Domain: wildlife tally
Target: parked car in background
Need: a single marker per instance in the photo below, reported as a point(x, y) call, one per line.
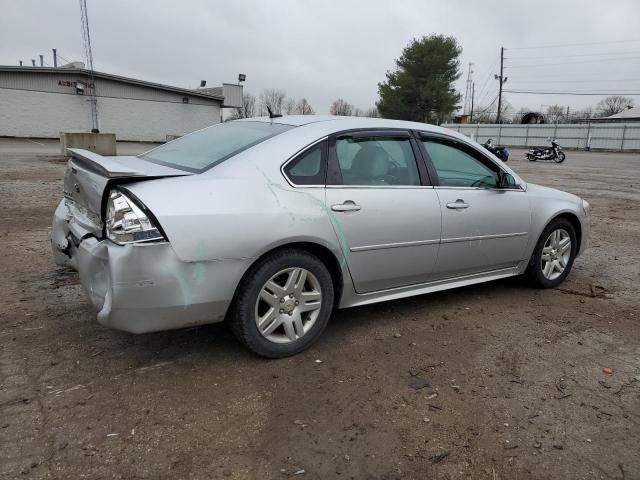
point(272, 223)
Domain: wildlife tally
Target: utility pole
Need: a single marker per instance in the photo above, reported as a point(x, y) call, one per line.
point(501, 78)
point(467, 92)
point(91, 87)
point(473, 94)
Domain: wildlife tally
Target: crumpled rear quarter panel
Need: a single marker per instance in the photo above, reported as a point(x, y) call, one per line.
point(145, 287)
point(208, 218)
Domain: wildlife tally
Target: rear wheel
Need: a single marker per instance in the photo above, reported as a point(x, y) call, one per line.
point(283, 304)
point(531, 157)
point(554, 254)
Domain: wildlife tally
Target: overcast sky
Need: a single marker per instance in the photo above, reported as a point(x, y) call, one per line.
point(326, 49)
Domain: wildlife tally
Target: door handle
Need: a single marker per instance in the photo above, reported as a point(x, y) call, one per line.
point(458, 205)
point(347, 206)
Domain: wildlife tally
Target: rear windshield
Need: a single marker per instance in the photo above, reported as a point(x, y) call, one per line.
point(206, 148)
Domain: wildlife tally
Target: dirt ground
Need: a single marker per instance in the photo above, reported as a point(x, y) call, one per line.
point(496, 381)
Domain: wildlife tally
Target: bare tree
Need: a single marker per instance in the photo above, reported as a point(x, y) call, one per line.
point(272, 99)
point(484, 115)
point(341, 107)
point(508, 112)
point(580, 116)
point(612, 105)
point(357, 112)
point(372, 113)
point(248, 108)
point(555, 114)
point(303, 108)
point(289, 106)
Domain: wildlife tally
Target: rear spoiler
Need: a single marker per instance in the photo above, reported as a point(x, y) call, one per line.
point(106, 166)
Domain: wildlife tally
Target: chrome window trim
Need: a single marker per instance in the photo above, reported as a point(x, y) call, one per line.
point(293, 157)
point(394, 187)
point(449, 187)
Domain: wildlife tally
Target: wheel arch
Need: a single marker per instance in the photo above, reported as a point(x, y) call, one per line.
point(575, 223)
point(540, 224)
point(322, 252)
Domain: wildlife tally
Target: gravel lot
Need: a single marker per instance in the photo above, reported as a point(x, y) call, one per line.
point(497, 381)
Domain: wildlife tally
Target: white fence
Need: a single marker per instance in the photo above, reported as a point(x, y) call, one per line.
point(597, 136)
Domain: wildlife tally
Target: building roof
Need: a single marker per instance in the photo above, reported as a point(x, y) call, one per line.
point(626, 114)
point(213, 91)
point(109, 76)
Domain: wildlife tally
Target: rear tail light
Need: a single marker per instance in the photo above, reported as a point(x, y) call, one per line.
point(127, 223)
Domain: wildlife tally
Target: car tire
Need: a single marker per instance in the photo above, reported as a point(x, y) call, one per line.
point(263, 294)
point(550, 256)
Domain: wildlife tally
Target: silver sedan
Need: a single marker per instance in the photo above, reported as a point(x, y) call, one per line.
point(272, 223)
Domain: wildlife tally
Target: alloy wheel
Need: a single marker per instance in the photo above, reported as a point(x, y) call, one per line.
point(288, 305)
point(555, 254)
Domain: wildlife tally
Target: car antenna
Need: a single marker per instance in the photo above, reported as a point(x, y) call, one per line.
point(273, 115)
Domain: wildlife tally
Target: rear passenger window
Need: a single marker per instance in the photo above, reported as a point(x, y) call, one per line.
point(377, 160)
point(309, 167)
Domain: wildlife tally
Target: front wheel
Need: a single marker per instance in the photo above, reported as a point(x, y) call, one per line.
point(283, 304)
point(559, 157)
point(554, 254)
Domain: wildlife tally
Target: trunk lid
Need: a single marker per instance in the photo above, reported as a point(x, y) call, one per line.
point(89, 176)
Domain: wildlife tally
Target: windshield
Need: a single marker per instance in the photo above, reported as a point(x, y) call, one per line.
point(206, 148)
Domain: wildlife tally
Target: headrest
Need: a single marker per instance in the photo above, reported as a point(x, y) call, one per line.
point(371, 162)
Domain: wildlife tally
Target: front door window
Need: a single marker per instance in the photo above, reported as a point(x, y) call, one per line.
point(456, 168)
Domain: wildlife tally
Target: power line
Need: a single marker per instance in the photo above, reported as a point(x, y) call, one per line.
point(491, 72)
point(541, 92)
point(572, 56)
point(606, 75)
point(598, 60)
point(574, 44)
point(555, 74)
point(612, 80)
point(488, 106)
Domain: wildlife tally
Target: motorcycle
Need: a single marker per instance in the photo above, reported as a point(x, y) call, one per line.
point(499, 151)
point(554, 152)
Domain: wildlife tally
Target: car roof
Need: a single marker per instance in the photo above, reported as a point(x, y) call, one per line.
point(344, 122)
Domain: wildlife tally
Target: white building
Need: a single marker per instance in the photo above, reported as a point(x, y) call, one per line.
point(41, 102)
point(631, 114)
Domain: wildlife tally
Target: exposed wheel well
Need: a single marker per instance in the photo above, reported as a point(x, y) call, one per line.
point(576, 226)
point(322, 253)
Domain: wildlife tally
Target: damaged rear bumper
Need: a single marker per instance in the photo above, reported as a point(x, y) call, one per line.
point(144, 287)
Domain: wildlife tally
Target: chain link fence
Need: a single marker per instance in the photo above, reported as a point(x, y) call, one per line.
point(594, 136)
